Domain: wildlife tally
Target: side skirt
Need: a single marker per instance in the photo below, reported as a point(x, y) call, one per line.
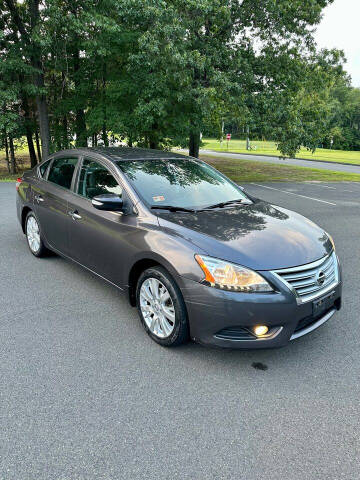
point(84, 266)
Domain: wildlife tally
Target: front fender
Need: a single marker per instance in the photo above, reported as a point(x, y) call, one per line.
point(173, 253)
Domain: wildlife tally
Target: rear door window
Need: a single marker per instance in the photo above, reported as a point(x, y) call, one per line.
point(95, 179)
point(43, 167)
point(62, 171)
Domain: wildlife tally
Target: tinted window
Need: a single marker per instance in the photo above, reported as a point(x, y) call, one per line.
point(186, 183)
point(62, 171)
point(43, 168)
point(96, 180)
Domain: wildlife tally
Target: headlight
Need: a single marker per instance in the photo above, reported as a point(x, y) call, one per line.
point(331, 240)
point(227, 276)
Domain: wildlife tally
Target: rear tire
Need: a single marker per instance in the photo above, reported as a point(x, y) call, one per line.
point(34, 237)
point(161, 307)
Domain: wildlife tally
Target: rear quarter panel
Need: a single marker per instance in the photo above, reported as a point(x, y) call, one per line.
point(24, 196)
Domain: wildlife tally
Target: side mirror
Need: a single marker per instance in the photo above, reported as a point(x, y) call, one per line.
point(110, 202)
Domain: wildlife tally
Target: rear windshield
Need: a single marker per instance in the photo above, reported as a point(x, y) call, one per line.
point(180, 182)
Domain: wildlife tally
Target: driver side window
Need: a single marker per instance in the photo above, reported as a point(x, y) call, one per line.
point(96, 180)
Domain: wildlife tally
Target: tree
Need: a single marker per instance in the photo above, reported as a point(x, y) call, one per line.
point(297, 113)
point(23, 25)
point(198, 61)
point(157, 73)
point(343, 130)
point(8, 127)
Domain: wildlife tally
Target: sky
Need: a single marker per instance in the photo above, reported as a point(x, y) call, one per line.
point(340, 28)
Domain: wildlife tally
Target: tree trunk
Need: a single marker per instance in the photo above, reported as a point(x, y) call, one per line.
point(104, 136)
point(57, 134)
point(41, 101)
point(28, 131)
point(12, 156)
point(33, 159)
point(104, 130)
point(29, 137)
point(80, 128)
point(153, 144)
point(153, 137)
point(7, 152)
point(37, 144)
point(65, 141)
point(80, 124)
point(64, 135)
point(194, 143)
point(42, 111)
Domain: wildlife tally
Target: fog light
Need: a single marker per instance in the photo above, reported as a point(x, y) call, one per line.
point(261, 330)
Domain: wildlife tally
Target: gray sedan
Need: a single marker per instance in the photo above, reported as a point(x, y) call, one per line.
point(197, 255)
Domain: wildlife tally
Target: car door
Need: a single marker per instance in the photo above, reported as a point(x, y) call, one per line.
point(51, 196)
point(99, 240)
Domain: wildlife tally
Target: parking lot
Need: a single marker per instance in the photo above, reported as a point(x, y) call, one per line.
point(86, 394)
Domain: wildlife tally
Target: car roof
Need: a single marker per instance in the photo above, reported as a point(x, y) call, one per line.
point(119, 154)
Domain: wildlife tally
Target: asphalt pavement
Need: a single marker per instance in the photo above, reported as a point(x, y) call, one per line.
point(86, 394)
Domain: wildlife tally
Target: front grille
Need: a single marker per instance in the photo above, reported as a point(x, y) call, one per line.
point(312, 280)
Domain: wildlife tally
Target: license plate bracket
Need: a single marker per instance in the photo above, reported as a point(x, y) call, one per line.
point(322, 304)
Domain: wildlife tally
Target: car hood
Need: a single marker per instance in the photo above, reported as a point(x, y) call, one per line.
point(259, 236)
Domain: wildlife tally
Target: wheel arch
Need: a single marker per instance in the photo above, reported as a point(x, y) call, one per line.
point(140, 266)
point(24, 214)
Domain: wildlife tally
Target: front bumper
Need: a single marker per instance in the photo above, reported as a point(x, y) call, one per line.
point(215, 315)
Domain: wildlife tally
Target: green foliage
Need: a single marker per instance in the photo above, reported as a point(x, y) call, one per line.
point(344, 121)
point(158, 72)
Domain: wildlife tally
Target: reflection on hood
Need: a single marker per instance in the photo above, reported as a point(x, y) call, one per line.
point(230, 223)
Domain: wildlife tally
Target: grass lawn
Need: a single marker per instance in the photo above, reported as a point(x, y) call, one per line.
point(245, 171)
point(6, 177)
point(269, 148)
point(23, 163)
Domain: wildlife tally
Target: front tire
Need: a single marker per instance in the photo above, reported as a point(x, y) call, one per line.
point(33, 236)
point(161, 308)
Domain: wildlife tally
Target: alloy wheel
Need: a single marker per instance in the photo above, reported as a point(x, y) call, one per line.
point(157, 308)
point(33, 234)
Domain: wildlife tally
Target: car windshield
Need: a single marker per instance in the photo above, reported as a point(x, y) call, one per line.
point(185, 183)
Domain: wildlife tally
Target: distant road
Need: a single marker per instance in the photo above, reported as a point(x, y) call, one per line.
point(335, 167)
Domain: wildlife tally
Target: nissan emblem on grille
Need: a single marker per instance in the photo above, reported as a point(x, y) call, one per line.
point(321, 277)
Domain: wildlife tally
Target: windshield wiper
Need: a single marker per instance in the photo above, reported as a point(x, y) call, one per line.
point(223, 204)
point(173, 208)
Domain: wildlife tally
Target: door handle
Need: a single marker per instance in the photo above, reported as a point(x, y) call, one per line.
point(74, 215)
point(39, 198)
